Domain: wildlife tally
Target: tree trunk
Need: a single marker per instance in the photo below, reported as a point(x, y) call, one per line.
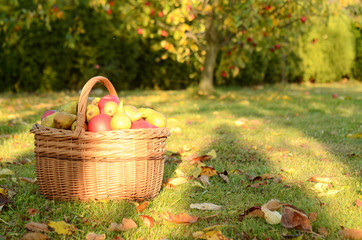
point(206, 85)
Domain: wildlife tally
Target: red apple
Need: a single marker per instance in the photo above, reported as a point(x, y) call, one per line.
point(47, 113)
point(334, 95)
point(106, 99)
point(141, 123)
point(277, 46)
point(303, 19)
point(271, 49)
point(164, 33)
point(140, 31)
point(249, 39)
point(100, 123)
point(224, 74)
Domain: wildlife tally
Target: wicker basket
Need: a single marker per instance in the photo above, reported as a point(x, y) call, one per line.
point(80, 165)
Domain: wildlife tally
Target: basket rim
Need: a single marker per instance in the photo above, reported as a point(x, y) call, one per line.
point(125, 133)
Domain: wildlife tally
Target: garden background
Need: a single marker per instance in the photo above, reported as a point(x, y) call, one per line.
point(57, 45)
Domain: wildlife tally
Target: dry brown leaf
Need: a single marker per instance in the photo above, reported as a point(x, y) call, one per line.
point(114, 227)
point(29, 180)
point(208, 171)
point(312, 216)
point(224, 176)
point(127, 224)
point(200, 159)
point(31, 211)
point(34, 236)
point(211, 235)
point(273, 205)
point(319, 179)
point(37, 227)
point(204, 179)
point(350, 234)
point(266, 176)
point(323, 231)
point(256, 185)
point(147, 220)
point(142, 206)
point(251, 213)
point(94, 236)
point(293, 217)
point(182, 218)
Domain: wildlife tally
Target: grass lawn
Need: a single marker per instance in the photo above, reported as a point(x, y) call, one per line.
point(289, 133)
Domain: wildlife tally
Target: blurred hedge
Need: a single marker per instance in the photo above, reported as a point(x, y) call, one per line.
point(63, 53)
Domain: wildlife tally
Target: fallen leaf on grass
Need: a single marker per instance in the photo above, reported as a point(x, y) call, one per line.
point(182, 218)
point(208, 171)
point(147, 220)
point(200, 159)
point(312, 216)
point(330, 192)
point(29, 180)
point(323, 231)
point(319, 179)
point(359, 203)
point(37, 227)
point(204, 179)
point(211, 235)
point(251, 213)
point(224, 176)
point(205, 206)
point(31, 211)
point(256, 185)
point(6, 172)
point(34, 236)
point(62, 227)
point(94, 236)
point(142, 206)
point(293, 217)
point(3, 201)
point(126, 225)
point(355, 135)
point(271, 217)
point(273, 205)
point(350, 233)
point(173, 182)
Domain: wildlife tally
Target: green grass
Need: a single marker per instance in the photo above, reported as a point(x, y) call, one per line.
point(262, 130)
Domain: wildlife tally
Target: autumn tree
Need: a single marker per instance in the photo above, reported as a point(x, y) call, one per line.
point(201, 32)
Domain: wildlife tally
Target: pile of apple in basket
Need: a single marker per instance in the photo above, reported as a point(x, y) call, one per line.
point(104, 114)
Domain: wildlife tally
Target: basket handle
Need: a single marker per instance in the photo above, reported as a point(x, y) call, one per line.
point(82, 103)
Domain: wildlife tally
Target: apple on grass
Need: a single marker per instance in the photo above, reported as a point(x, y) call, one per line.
point(47, 113)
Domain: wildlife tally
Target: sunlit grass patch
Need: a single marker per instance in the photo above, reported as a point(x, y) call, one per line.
point(292, 133)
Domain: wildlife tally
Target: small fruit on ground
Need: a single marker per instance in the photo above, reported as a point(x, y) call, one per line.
point(92, 111)
point(64, 120)
point(153, 117)
point(132, 112)
point(120, 120)
point(100, 123)
point(47, 113)
point(49, 121)
point(110, 108)
point(70, 108)
point(106, 99)
point(334, 95)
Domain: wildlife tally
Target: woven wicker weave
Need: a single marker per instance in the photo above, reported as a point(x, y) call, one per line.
point(122, 164)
